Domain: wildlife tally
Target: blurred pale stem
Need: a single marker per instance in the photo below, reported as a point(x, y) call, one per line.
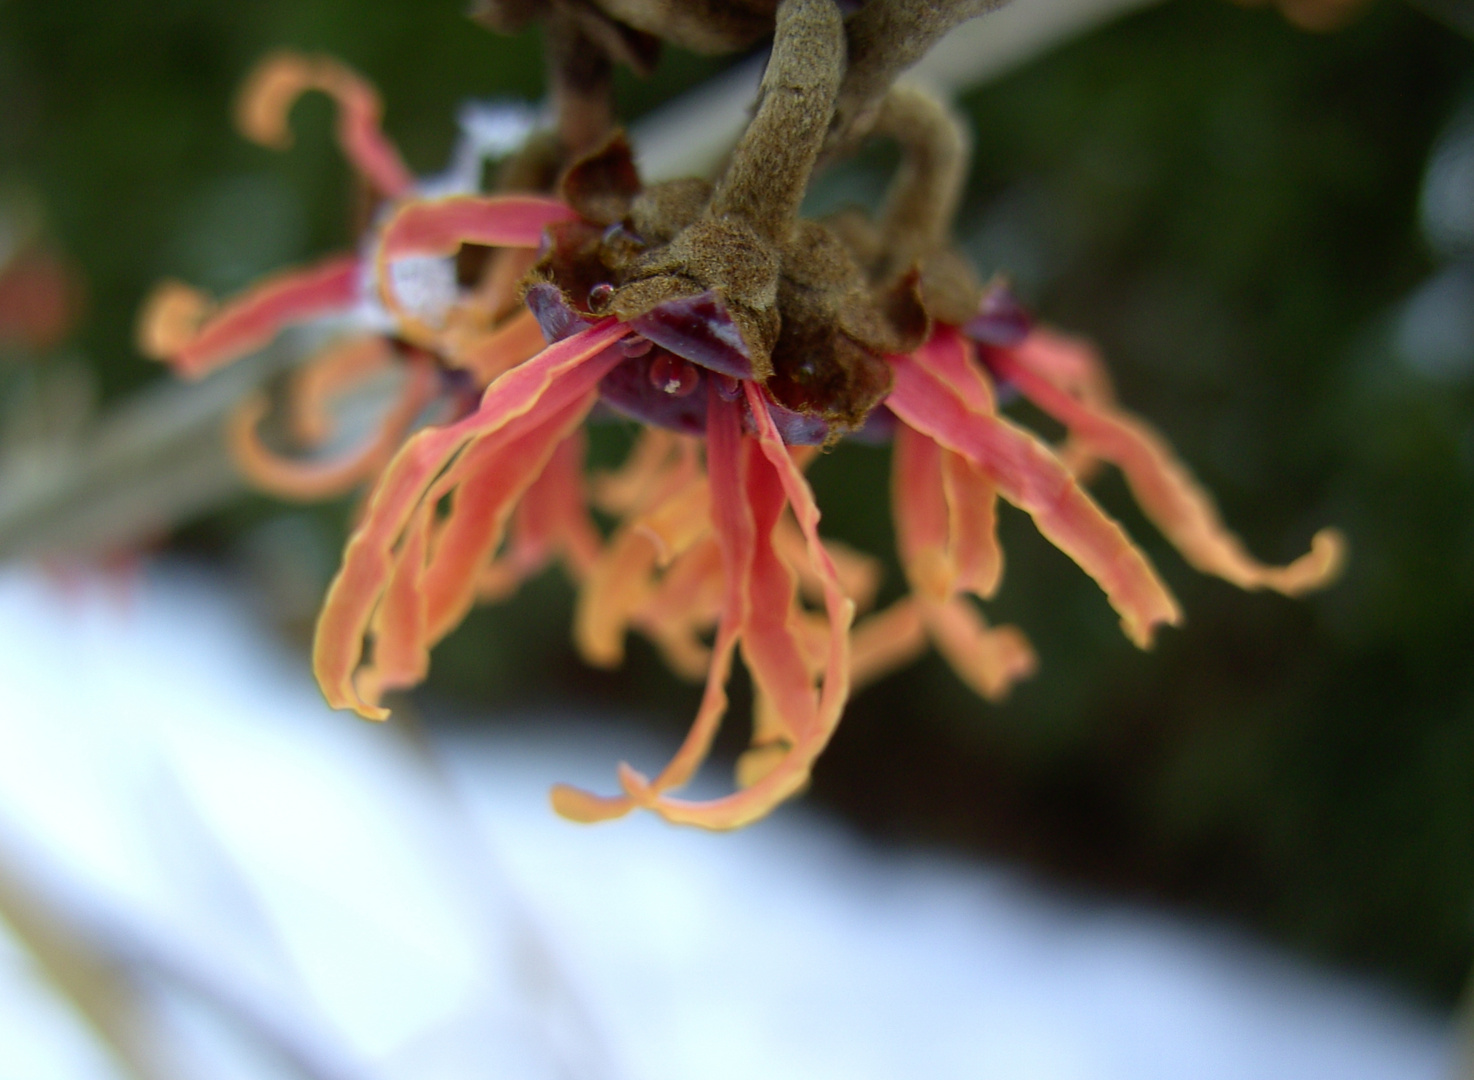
point(102, 959)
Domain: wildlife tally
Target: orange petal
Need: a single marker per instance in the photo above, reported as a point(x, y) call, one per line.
point(859, 574)
point(481, 490)
point(270, 91)
point(733, 526)
point(972, 516)
point(614, 589)
point(749, 487)
point(919, 506)
point(438, 227)
point(623, 579)
point(677, 522)
point(553, 516)
point(497, 294)
point(770, 639)
point(886, 641)
point(326, 376)
point(988, 659)
point(1074, 365)
point(649, 469)
point(310, 480)
point(1165, 489)
point(170, 318)
point(487, 356)
point(685, 604)
point(563, 374)
point(246, 322)
point(937, 391)
point(401, 649)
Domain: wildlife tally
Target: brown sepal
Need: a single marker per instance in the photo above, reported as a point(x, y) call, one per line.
point(950, 289)
point(603, 185)
point(907, 317)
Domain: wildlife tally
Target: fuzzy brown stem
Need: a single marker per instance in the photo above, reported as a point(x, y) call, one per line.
point(581, 78)
point(884, 38)
point(924, 194)
point(768, 173)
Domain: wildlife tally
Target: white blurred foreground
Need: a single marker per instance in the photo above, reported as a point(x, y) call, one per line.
point(235, 882)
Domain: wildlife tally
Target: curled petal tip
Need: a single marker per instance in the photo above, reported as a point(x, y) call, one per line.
point(267, 96)
point(1143, 631)
point(586, 808)
point(636, 785)
point(265, 102)
point(1318, 567)
point(170, 318)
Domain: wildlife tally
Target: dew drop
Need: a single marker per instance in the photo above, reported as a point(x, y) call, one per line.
point(673, 375)
point(600, 295)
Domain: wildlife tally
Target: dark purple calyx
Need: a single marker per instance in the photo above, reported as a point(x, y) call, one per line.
point(557, 318)
point(878, 429)
point(799, 429)
point(657, 387)
point(698, 329)
point(1001, 320)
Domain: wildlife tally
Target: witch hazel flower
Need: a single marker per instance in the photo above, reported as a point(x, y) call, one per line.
point(442, 342)
point(742, 354)
point(744, 340)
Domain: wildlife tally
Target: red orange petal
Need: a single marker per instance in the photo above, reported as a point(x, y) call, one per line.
point(559, 376)
point(337, 368)
point(919, 506)
point(246, 322)
point(886, 641)
point(266, 98)
point(310, 480)
point(989, 659)
point(972, 516)
point(1165, 489)
point(933, 391)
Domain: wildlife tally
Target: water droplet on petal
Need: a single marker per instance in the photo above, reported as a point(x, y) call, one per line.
point(673, 375)
point(600, 295)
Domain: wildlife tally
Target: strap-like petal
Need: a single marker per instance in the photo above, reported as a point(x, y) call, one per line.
point(990, 659)
point(886, 641)
point(972, 516)
point(563, 374)
point(311, 479)
point(1165, 489)
point(266, 99)
point(480, 492)
point(318, 383)
point(938, 392)
point(438, 228)
point(246, 322)
point(919, 507)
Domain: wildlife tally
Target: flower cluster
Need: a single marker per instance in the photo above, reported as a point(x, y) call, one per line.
point(742, 346)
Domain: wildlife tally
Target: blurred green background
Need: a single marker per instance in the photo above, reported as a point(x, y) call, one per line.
point(1229, 206)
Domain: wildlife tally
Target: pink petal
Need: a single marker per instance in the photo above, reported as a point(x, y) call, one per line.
point(251, 320)
point(919, 506)
point(310, 480)
point(938, 392)
point(525, 396)
point(988, 659)
point(267, 97)
point(1165, 489)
